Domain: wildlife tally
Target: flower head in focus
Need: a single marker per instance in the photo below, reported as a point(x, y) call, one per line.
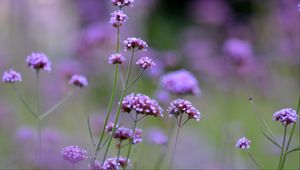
point(145, 62)
point(118, 18)
point(133, 43)
point(286, 116)
point(39, 61)
point(243, 143)
point(180, 106)
point(122, 3)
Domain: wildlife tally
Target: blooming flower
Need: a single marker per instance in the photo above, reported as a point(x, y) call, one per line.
point(122, 162)
point(109, 127)
point(122, 133)
point(180, 82)
point(74, 154)
point(141, 104)
point(145, 62)
point(11, 76)
point(243, 143)
point(157, 137)
point(116, 59)
point(181, 106)
point(121, 3)
point(287, 116)
point(95, 166)
point(133, 43)
point(110, 164)
point(118, 18)
point(137, 137)
point(39, 61)
point(78, 80)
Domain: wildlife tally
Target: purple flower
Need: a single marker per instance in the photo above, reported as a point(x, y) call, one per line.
point(11, 76)
point(243, 143)
point(39, 61)
point(286, 116)
point(157, 137)
point(180, 82)
point(298, 6)
point(122, 162)
point(74, 154)
point(95, 166)
point(145, 62)
point(133, 43)
point(116, 58)
point(110, 164)
point(122, 133)
point(118, 18)
point(141, 104)
point(109, 127)
point(78, 81)
point(121, 3)
point(181, 106)
point(137, 137)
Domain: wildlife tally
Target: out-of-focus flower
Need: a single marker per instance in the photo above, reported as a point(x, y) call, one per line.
point(122, 133)
point(133, 43)
point(95, 166)
point(162, 96)
point(286, 116)
point(109, 127)
point(157, 137)
point(110, 164)
point(38, 61)
point(180, 82)
point(137, 137)
point(180, 106)
point(145, 62)
point(116, 58)
point(122, 162)
point(74, 154)
point(243, 143)
point(121, 3)
point(298, 6)
point(11, 76)
point(118, 18)
point(141, 104)
point(78, 81)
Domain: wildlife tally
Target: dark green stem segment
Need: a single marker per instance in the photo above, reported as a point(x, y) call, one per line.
point(282, 147)
point(252, 158)
point(176, 141)
point(40, 156)
point(132, 140)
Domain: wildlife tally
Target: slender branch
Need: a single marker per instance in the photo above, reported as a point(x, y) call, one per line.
point(132, 140)
point(90, 131)
point(40, 157)
point(141, 118)
point(252, 158)
point(119, 150)
point(184, 122)
point(175, 147)
point(282, 148)
point(138, 77)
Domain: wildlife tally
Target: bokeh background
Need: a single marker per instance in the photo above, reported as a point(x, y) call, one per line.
point(201, 36)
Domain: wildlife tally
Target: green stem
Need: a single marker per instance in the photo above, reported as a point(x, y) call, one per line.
point(252, 158)
point(138, 77)
point(282, 148)
point(132, 138)
point(39, 113)
point(175, 147)
point(119, 150)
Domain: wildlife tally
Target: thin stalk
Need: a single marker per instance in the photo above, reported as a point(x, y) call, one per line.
point(39, 113)
point(119, 150)
point(252, 158)
point(132, 138)
point(282, 148)
point(175, 147)
point(138, 77)
point(290, 137)
point(119, 106)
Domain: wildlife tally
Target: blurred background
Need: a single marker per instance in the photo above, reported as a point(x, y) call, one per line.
point(236, 48)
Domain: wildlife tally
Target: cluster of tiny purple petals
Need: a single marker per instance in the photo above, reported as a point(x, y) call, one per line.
point(74, 154)
point(78, 81)
point(243, 143)
point(121, 3)
point(118, 18)
point(109, 127)
point(137, 137)
point(39, 61)
point(95, 166)
point(122, 162)
point(110, 164)
point(141, 104)
point(11, 76)
point(180, 82)
point(133, 43)
point(145, 62)
point(287, 116)
point(180, 106)
point(122, 133)
point(116, 58)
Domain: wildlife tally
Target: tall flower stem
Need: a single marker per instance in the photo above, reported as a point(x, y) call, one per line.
point(290, 137)
point(132, 138)
point(39, 113)
point(282, 147)
point(119, 106)
point(176, 141)
point(119, 150)
point(252, 158)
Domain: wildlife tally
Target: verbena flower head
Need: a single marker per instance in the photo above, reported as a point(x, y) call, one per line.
point(243, 143)
point(122, 133)
point(145, 62)
point(74, 154)
point(157, 137)
point(137, 137)
point(110, 164)
point(180, 106)
point(39, 61)
point(122, 3)
point(141, 104)
point(110, 127)
point(118, 18)
point(122, 162)
point(180, 82)
point(11, 76)
point(116, 58)
point(286, 116)
point(133, 43)
point(78, 81)
point(95, 166)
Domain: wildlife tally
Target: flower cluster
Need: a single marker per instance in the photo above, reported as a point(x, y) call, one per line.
point(115, 163)
point(11, 76)
point(123, 133)
point(181, 106)
point(243, 143)
point(74, 154)
point(145, 62)
point(133, 43)
point(180, 82)
point(121, 3)
point(141, 104)
point(116, 58)
point(78, 81)
point(118, 18)
point(95, 166)
point(137, 137)
point(38, 61)
point(287, 116)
